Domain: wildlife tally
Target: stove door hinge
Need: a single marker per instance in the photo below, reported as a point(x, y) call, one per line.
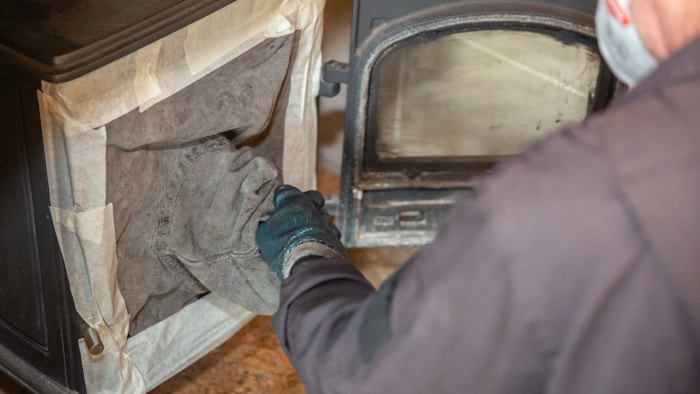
point(332, 75)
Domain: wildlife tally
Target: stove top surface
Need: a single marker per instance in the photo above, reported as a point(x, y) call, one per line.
point(58, 40)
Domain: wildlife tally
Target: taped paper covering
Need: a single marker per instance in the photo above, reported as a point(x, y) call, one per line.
point(299, 167)
point(73, 116)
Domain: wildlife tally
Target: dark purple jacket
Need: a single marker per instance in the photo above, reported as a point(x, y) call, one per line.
point(575, 270)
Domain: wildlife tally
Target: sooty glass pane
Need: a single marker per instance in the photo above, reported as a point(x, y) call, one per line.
point(480, 93)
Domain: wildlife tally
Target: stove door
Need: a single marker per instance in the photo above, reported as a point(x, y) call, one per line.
point(439, 93)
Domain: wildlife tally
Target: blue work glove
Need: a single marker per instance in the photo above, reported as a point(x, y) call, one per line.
point(299, 227)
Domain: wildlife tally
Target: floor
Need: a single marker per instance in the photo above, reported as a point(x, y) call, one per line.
point(252, 361)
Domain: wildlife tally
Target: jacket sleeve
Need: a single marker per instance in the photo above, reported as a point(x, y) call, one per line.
point(442, 320)
point(514, 281)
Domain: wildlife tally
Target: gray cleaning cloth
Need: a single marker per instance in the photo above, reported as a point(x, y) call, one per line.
point(186, 221)
point(187, 202)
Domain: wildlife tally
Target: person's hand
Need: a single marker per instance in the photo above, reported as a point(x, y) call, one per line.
point(300, 227)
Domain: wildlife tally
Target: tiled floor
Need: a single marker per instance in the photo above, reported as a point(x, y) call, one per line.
point(252, 361)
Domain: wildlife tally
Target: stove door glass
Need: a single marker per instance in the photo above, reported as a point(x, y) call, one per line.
point(474, 94)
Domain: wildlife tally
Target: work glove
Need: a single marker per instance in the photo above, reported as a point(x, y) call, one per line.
point(299, 227)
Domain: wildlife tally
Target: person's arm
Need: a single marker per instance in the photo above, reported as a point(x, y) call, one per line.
point(442, 321)
point(545, 282)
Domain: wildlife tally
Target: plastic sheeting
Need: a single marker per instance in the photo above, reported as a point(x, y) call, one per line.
point(73, 116)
